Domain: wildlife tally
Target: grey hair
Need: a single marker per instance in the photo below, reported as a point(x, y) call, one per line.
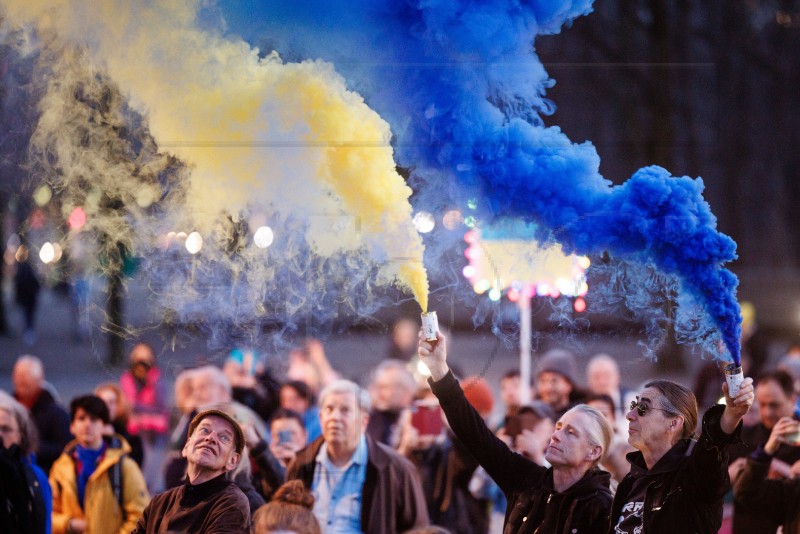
point(29, 436)
point(216, 375)
point(347, 386)
point(599, 430)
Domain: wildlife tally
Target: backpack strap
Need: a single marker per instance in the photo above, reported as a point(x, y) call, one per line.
point(115, 475)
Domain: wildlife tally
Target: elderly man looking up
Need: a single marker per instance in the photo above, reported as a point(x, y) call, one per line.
point(208, 501)
point(210, 389)
point(358, 485)
point(571, 496)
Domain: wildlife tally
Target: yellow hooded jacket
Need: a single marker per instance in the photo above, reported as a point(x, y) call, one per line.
point(101, 509)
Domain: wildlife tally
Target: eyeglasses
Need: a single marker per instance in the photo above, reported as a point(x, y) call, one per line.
point(642, 409)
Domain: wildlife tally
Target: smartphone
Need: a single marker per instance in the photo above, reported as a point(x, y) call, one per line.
point(427, 419)
point(284, 436)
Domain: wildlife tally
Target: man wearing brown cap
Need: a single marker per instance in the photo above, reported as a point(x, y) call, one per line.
point(207, 502)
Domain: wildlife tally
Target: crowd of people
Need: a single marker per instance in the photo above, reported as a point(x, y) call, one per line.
point(239, 449)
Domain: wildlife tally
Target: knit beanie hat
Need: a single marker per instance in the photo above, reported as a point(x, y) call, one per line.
point(558, 361)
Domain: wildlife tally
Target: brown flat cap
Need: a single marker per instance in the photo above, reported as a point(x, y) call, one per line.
point(237, 430)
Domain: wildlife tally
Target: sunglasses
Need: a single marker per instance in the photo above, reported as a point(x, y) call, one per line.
point(642, 409)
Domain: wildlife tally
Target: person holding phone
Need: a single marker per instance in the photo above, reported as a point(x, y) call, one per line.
point(271, 458)
point(570, 496)
point(288, 435)
point(445, 466)
point(776, 500)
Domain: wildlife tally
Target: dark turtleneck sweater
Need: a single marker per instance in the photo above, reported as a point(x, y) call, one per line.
point(216, 506)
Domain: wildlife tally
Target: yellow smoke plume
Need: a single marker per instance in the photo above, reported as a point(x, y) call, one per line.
point(255, 131)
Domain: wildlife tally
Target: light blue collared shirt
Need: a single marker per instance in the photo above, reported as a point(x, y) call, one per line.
point(337, 490)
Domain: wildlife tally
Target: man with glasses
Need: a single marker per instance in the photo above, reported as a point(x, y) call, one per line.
point(208, 501)
point(677, 483)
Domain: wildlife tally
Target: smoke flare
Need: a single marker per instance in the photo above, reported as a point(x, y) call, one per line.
point(464, 90)
point(285, 142)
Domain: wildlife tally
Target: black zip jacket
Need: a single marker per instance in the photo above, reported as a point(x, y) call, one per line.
point(686, 487)
point(533, 505)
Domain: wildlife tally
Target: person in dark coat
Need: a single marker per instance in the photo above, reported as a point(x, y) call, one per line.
point(445, 468)
point(775, 399)
point(676, 483)
point(51, 420)
point(26, 293)
point(26, 502)
point(572, 495)
point(775, 500)
point(359, 485)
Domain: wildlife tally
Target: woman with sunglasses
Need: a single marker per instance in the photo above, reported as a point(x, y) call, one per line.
point(677, 483)
point(570, 496)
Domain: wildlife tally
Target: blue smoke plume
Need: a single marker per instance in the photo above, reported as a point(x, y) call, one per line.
point(463, 89)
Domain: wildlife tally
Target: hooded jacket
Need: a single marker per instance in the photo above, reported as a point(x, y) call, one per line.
point(685, 488)
point(533, 504)
point(101, 509)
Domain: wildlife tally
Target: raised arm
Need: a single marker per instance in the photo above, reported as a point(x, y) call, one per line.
point(508, 469)
point(737, 408)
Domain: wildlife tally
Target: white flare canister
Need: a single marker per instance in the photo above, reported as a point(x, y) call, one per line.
point(734, 377)
point(430, 325)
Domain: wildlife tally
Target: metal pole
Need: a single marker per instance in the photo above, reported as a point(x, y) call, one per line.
point(524, 303)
